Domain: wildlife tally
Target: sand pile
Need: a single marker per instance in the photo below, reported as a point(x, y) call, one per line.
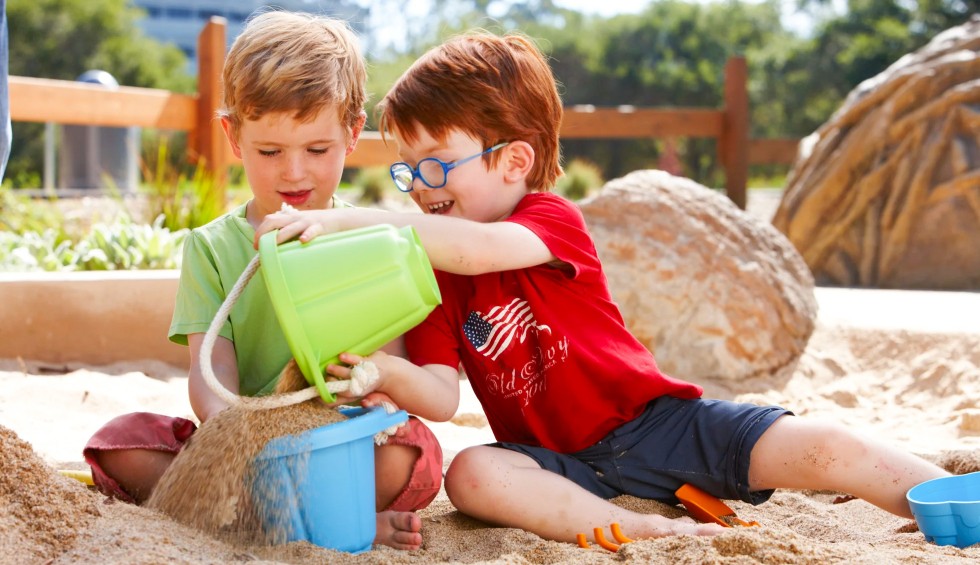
point(42, 512)
point(209, 486)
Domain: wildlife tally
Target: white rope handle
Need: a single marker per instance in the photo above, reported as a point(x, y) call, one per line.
point(207, 347)
point(362, 378)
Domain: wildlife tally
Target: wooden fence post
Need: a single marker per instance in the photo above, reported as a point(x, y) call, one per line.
point(733, 144)
point(208, 140)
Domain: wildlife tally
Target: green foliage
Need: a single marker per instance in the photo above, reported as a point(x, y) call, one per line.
point(182, 202)
point(36, 251)
point(61, 39)
point(35, 236)
point(108, 247)
point(373, 182)
point(128, 245)
point(581, 178)
point(19, 214)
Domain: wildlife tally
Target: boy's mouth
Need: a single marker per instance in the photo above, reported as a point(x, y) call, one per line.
point(441, 207)
point(296, 199)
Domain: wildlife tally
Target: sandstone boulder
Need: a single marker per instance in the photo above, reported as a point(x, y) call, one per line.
point(710, 290)
point(887, 193)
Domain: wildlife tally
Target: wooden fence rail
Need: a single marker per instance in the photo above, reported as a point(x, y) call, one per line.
point(68, 102)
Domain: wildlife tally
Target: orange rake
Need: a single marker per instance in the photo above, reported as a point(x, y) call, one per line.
point(600, 538)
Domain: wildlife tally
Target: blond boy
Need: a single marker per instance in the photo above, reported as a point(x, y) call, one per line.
point(292, 111)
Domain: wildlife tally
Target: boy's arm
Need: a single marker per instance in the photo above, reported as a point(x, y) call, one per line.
point(431, 392)
point(204, 401)
point(454, 245)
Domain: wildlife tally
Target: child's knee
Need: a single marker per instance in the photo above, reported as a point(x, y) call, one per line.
point(417, 468)
point(135, 472)
point(130, 453)
point(806, 447)
point(464, 472)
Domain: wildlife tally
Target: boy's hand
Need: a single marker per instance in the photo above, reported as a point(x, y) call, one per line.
point(344, 372)
point(291, 223)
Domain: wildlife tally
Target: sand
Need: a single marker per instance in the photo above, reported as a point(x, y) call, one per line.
point(904, 366)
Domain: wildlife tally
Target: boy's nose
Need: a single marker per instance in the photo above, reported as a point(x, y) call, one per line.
point(417, 185)
point(294, 170)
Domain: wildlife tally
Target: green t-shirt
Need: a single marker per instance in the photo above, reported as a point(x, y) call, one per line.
point(214, 258)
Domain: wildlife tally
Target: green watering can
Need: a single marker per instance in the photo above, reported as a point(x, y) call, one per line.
point(350, 291)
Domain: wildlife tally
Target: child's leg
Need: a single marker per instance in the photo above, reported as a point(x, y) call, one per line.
point(408, 468)
point(129, 454)
point(136, 471)
point(510, 489)
point(408, 474)
point(392, 471)
point(800, 453)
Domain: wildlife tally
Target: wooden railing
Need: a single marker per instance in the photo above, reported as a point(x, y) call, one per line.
point(67, 102)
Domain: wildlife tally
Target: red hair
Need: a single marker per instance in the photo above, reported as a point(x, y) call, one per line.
point(495, 88)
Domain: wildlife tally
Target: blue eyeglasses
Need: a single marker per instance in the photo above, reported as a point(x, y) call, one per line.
point(431, 171)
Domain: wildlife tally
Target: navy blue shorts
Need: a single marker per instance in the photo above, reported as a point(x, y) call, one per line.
point(706, 443)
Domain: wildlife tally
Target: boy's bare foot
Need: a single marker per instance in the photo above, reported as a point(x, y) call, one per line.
point(400, 530)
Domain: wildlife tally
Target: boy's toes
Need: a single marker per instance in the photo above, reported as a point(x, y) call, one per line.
point(399, 530)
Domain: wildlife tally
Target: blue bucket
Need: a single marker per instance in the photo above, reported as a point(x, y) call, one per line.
point(318, 486)
point(947, 509)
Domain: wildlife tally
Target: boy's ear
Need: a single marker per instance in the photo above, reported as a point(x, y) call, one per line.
point(356, 130)
point(517, 160)
point(235, 148)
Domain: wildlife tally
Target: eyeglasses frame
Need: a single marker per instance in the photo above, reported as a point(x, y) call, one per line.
point(446, 167)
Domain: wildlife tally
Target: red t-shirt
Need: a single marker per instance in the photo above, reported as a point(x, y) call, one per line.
point(545, 349)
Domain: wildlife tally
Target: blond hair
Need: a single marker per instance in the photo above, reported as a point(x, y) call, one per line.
point(293, 62)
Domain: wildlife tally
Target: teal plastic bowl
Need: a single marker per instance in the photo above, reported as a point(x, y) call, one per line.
point(947, 509)
point(319, 486)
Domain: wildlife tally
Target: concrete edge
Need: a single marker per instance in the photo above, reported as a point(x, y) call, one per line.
point(91, 317)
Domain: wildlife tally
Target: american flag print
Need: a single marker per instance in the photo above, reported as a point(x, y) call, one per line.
point(492, 333)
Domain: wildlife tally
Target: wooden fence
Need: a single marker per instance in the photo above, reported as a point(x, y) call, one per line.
point(68, 102)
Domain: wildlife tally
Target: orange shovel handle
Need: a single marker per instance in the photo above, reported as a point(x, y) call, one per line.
point(708, 508)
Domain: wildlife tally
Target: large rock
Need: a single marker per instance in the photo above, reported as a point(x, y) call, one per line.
point(887, 193)
point(710, 290)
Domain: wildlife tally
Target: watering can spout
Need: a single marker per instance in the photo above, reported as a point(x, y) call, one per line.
point(351, 291)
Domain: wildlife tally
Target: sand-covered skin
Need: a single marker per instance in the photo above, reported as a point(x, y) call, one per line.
point(920, 390)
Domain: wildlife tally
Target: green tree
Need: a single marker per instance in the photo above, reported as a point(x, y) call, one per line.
point(672, 54)
point(61, 39)
point(811, 80)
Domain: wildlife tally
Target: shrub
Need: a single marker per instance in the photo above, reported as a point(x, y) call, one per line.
point(580, 179)
point(373, 182)
point(126, 245)
point(118, 246)
point(20, 214)
point(36, 251)
point(184, 203)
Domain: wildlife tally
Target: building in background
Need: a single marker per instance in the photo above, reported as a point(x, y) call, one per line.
point(181, 21)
